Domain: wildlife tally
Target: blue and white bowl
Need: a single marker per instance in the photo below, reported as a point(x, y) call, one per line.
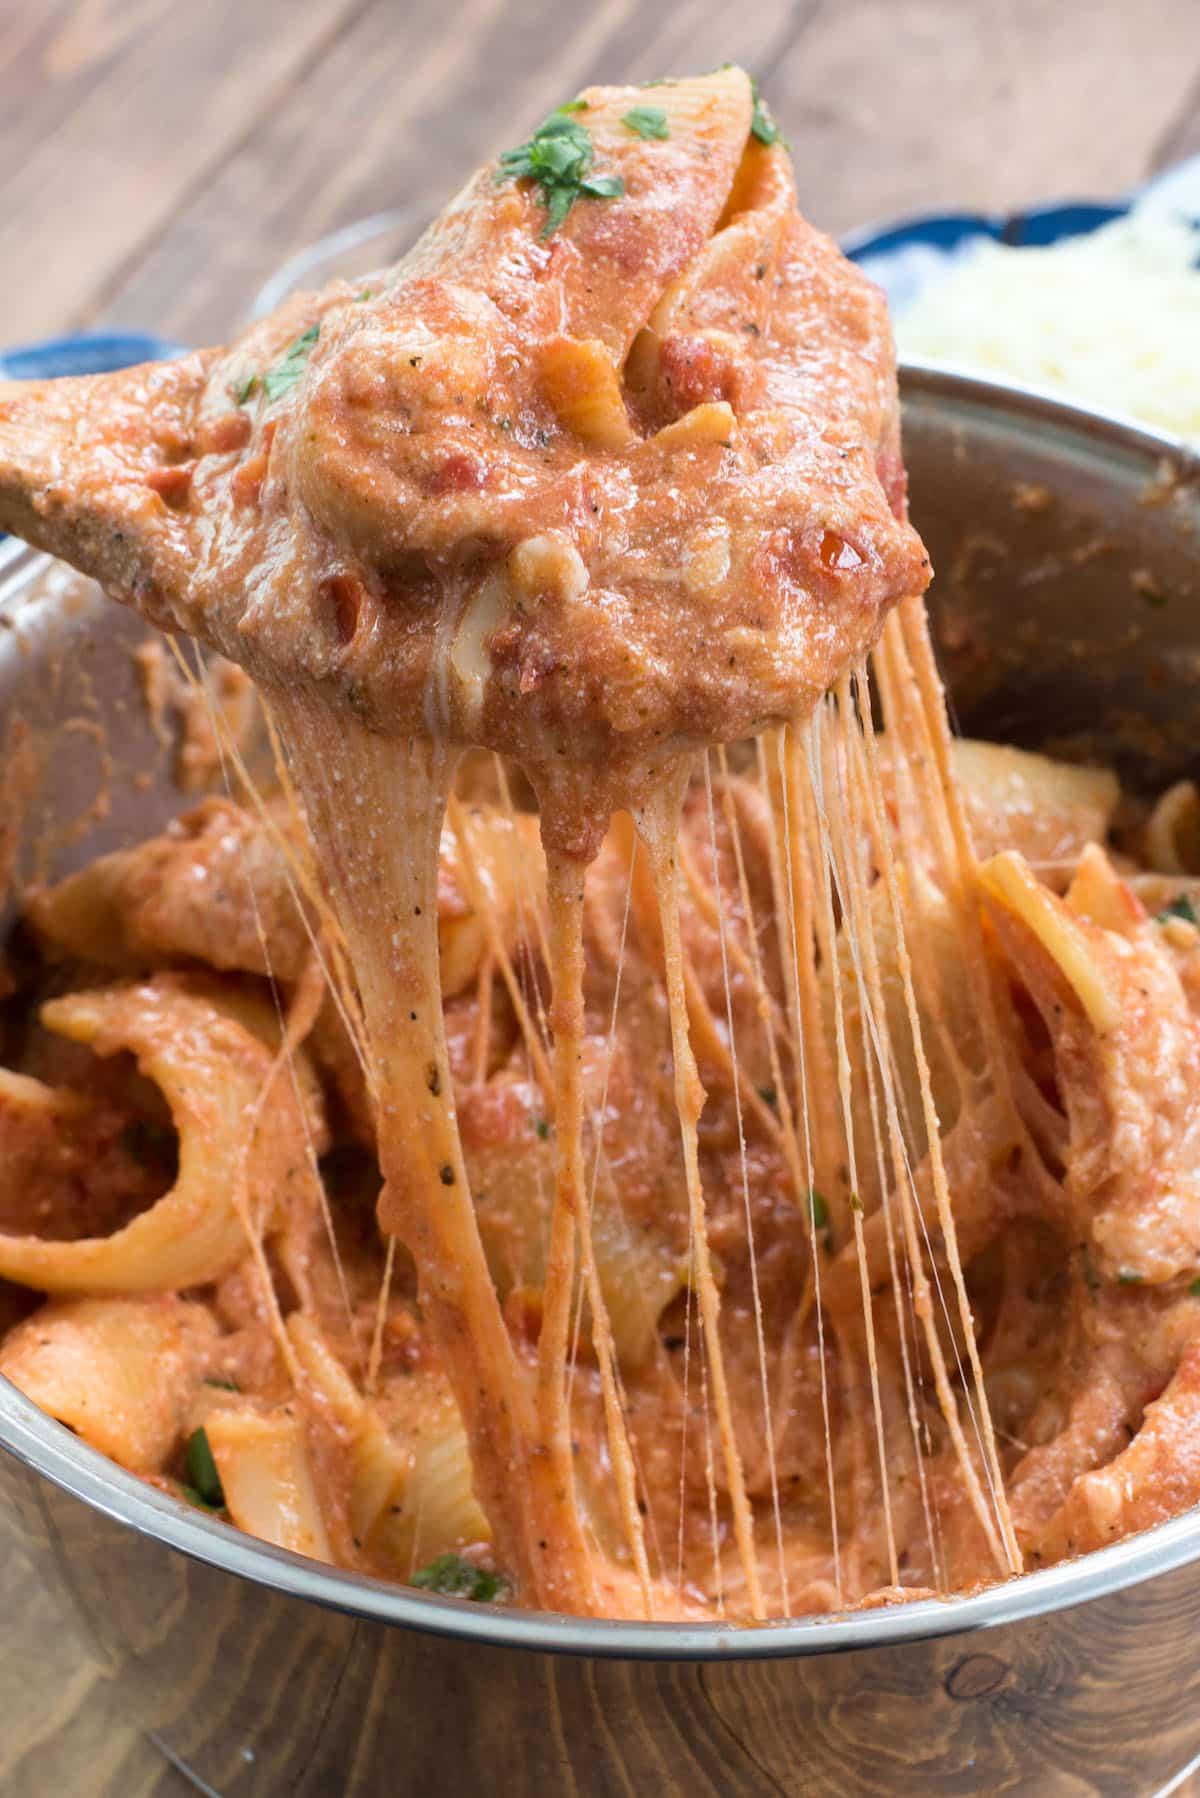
point(906, 255)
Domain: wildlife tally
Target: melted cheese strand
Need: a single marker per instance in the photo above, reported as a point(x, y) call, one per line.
point(522, 885)
point(904, 657)
point(600, 1159)
point(199, 681)
point(481, 902)
point(381, 1305)
point(376, 812)
point(817, 949)
point(342, 989)
point(766, 1006)
point(851, 775)
point(802, 1106)
point(565, 886)
point(931, 709)
point(707, 1041)
point(659, 828)
point(710, 1483)
point(684, 1416)
point(915, 1225)
point(1011, 1551)
point(759, 1336)
point(298, 877)
point(743, 957)
point(484, 982)
point(649, 921)
point(621, 1446)
point(881, 1072)
point(841, 868)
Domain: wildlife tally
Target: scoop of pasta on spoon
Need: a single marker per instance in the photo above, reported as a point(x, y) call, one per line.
point(605, 471)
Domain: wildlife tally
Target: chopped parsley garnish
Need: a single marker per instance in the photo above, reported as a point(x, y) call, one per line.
point(762, 125)
point(572, 106)
point(818, 1209)
point(1194, 1288)
point(193, 1498)
point(222, 1385)
point(287, 371)
point(1127, 1277)
point(202, 1473)
point(1180, 907)
point(559, 157)
point(768, 1095)
point(541, 1129)
point(291, 365)
point(456, 1578)
point(647, 121)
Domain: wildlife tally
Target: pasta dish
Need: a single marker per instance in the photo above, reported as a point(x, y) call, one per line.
point(632, 1119)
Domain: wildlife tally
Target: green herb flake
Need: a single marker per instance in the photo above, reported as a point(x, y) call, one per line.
point(603, 187)
point(541, 1129)
point(245, 388)
point(194, 1498)
point(572, 106)
point(368, 293)
point(818, 1209)
point(647, 121)
point(762, 125)
point(454, 1577)
point(1180, 907)
point(1194, 1288)
point(222, 1385)
point(1127, 1277)
point(768, 1095)
point(288, 370)
point(202, 1470)
point(559, 158)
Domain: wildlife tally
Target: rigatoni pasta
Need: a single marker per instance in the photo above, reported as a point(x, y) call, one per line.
point(285, 1331)
point(753, 1174)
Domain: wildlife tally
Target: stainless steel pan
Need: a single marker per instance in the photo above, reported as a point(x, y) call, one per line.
point(1067, 607)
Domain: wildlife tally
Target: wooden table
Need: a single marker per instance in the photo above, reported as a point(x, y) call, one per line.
point(159, 160)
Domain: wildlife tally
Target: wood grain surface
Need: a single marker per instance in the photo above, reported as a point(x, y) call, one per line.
point(158, 159)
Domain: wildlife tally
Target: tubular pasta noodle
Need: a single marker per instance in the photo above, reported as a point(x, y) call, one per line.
point(1007, 878)
point(496, 841)
point(438, 1511)
point(1046, 809)
point(378, 1465)
point(408, 1499)
point(861, 1314)
point(237, 1166)
point(194, 891)
point(1173, 831)
point(120, 1372)
point(266, 1478)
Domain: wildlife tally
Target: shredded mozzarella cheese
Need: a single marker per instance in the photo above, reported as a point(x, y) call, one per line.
point(1111, 318)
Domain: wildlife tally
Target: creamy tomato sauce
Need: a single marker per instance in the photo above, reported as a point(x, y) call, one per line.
point(712, 1215)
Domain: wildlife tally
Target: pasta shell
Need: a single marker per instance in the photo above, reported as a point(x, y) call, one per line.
point(216, 1073)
